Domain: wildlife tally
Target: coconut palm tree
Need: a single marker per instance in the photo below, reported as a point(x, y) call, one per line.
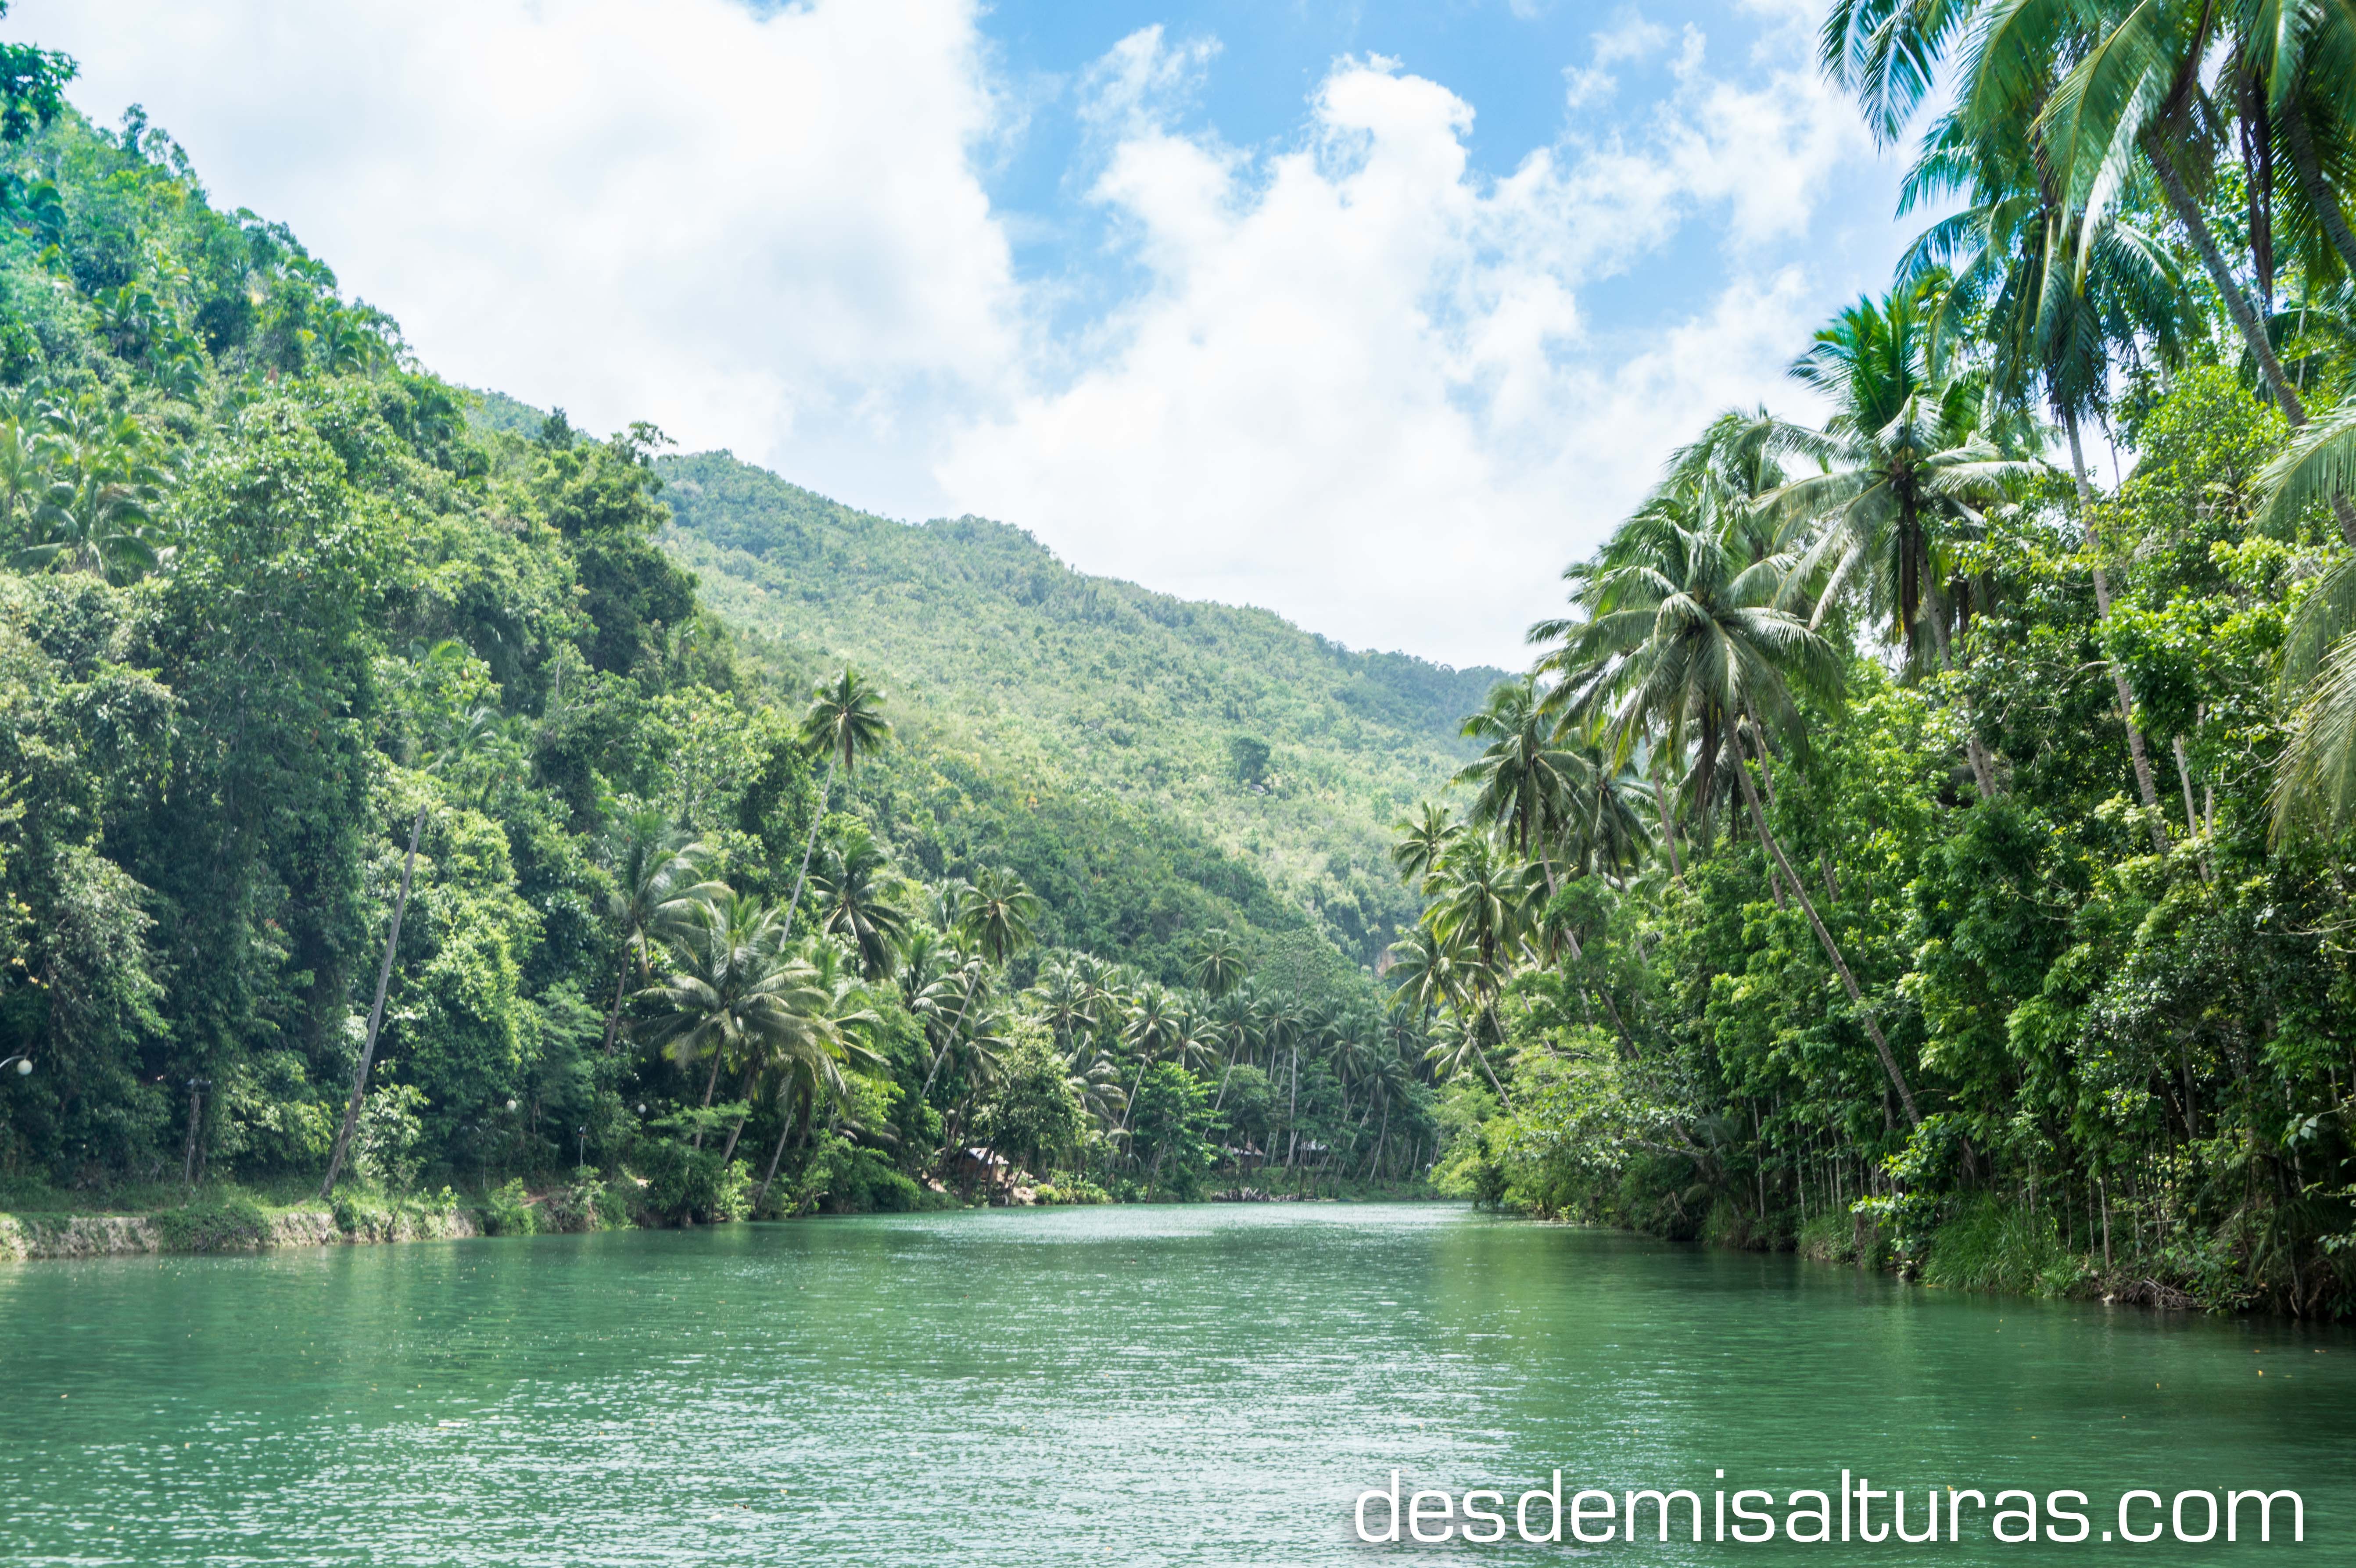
point(1219, 964)
point(733, 988)
point(2049, 310)
point(857, 900)
point(820, 1060)
point(96, 513)
point(2315, 778)
point(1526, 782)
point(845, 720)
point(1683, 641)
point(2117, 98)
point(1154, 1024)
point(658, 882)
point(998, 916)
point(1423, 838)
point(1908, 474)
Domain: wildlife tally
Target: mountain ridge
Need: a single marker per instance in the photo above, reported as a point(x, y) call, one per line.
point(1287, 748)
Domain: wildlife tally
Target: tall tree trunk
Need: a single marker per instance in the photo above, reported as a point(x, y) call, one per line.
point(752, 1076)
point(1983, 769)
point(2299, 137)
point(2137, 750)
point(376, 1014)
point(1669, 837)
point(1579, 958)
point(1832, 950)
point(809, 841)
point(2237, 305)
point(1292, 1110)
point(776, 1155)
point(614, 1015)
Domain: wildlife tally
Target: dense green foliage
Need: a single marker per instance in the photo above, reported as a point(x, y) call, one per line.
point(1286, 750)
point(1990, 910)
point(379, 797)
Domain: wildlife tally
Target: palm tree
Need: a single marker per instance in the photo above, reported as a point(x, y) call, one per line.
point(95, 512)
point(855, 892)
point(2315, 778)
point(1219, 965)
point(999, 915)
point(820, 1060)
point(1683, 641)
point(1526, 782)
point(844, 720)
point(658, 882)
point(2106, 93)
point(2051, 310)
point(734, 989)
point(27, 460)
point(1235, 1023)
point(1907, 476)
point(1423, 838)
point(1154, 1026)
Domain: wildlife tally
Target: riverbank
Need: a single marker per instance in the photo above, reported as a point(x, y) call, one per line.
point(228, 1217)
point(1997, 1248)
point(234, 1224)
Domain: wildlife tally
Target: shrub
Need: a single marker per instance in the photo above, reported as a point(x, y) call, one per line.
point(590, 1203)
point(509, 1212)
point(686, 1185)
point(213, 1227)
point(1997, 1245)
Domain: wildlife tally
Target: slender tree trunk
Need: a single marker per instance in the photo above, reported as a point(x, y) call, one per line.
point(1292, 1110)
point(1669, 838)
point(376, 1014)
point(2137, 751)
point(776, 1155)
point(1481, 1056)
point(1983, 769)
point(752, 1076)
point(939, 1057)
point(195, 1123)
point(2191, 817)
point(2299, 137)
point(809, 842)
point(1579, 958)
point(1832, 950)
point(2237, 305)
point(614, 1016)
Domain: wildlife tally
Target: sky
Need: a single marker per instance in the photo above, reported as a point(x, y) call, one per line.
point(1376, 314)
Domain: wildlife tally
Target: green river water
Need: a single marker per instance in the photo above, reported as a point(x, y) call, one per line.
point(1122, 1386)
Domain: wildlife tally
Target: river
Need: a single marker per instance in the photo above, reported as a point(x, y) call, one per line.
point(1126, 1386)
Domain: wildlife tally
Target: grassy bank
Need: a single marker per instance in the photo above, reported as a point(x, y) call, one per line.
point(230, 1217)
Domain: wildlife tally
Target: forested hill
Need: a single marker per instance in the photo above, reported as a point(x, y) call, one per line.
point(1286, 749)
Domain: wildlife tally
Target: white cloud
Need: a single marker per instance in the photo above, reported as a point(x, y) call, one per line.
point(1363, 388)
point(1630, 38)
point(1363, 384)
point(762, 232)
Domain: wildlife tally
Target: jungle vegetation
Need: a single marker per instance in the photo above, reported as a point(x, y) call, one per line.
point(1926, 833)
point(384, 810)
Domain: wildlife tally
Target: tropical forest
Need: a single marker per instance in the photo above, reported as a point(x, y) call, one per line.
point(1922, 840)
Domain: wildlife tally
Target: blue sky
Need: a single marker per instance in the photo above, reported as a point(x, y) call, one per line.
point(1376, 314)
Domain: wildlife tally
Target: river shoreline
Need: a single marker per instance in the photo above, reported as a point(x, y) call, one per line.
point(235, 1226)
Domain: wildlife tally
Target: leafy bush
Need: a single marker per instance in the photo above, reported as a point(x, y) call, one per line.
point(686, 1186)
point(212, 1227)
point(1999, 1245)
point(590, 1203)
point(509, 1212)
